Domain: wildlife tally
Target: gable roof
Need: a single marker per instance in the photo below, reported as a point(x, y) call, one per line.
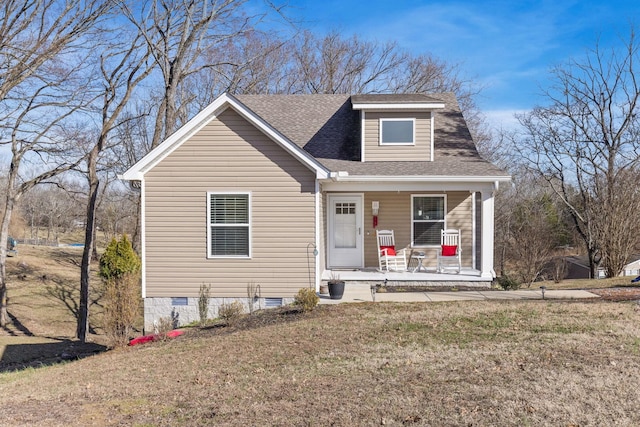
point(323, 132)
point(224, 101)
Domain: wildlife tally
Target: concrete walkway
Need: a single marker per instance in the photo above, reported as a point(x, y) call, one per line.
point(356, 292)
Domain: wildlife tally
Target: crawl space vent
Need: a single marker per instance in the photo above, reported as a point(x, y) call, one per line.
point(180, 301)
point(272, 302)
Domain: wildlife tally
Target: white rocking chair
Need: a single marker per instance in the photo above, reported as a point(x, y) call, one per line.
point(390, 258)
point(449, 254)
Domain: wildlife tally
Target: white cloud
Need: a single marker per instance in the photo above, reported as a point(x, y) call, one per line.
point(503, 119)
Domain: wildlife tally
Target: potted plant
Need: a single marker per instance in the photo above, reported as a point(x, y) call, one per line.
point(336, 286)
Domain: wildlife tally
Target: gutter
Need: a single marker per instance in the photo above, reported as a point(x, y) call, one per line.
point(343, 176)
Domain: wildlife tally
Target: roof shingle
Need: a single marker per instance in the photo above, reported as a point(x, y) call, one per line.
point(327, 127)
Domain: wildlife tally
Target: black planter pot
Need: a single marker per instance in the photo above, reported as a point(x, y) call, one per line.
point(336, 289)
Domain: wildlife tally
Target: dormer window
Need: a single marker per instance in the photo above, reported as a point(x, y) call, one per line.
point(397, 131)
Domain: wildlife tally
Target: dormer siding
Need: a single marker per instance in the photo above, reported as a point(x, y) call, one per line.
point(373, 148)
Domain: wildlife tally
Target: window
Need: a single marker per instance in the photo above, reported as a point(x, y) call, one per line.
point(427, 220)
point(397, 131)
point(228, 220)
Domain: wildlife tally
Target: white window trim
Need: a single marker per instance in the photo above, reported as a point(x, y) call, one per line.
point(444, 218)
point(395, 144)
point(249, 201)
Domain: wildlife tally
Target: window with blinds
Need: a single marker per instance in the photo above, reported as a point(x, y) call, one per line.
point(229, 226)
point(427, 219)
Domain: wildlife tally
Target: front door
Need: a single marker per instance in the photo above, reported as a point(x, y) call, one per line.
point(345, 231)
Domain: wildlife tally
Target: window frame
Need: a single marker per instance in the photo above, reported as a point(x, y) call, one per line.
point(381, 122)
point(414, 221)
point(248, 224)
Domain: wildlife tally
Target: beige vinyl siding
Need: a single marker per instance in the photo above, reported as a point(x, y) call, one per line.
point(395, 214)
point(374, 152)
point(229, 155)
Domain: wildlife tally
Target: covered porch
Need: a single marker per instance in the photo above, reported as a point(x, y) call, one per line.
point(416, 213)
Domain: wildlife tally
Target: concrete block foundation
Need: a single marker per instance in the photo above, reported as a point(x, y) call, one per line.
point(183, 311)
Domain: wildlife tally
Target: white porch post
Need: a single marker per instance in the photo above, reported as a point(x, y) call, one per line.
point(487, 234)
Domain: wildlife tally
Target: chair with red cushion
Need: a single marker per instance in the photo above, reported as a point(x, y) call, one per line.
point(449, 254)
point(389, 257)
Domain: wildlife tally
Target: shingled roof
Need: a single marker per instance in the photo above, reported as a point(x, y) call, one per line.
point(327, 127)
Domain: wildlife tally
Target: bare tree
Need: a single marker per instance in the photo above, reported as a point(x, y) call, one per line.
point(177, 32)
point(533, 236)
point(586, 143)
point(123, 66)
point(529, 228)
point(39, 93)
point(620, 203)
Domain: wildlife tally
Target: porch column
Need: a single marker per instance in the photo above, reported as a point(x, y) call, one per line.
point(486, 269)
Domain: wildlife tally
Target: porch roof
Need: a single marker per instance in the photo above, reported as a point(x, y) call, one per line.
point(446, 167)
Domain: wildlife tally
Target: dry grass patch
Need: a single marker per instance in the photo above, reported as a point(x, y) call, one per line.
point(43, 289)
point(623, 281)
point(465, 363)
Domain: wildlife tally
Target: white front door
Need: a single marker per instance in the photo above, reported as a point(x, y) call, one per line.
point(345, 231)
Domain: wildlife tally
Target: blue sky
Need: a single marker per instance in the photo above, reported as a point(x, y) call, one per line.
point(508, 46)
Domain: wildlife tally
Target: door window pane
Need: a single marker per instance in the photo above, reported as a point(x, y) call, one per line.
point(345, 230)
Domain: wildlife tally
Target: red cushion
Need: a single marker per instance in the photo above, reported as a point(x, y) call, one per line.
point(390, 250)
point(448, 250)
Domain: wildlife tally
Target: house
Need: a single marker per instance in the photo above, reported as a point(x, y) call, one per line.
point(632, 268)
point(278, 191)
point(578, 267)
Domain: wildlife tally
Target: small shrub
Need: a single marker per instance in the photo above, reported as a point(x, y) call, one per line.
point(231, 312)
point(162, 326)
point(507, 283)
point(120, 270)
point(306, 299)
point(203, 303)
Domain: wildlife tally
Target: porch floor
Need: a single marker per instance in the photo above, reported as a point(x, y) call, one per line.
point(467, 277)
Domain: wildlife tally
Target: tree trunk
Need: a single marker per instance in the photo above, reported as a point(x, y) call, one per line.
point(4, 235)
point(89, 242)
point(593, 263)
point(136, 239)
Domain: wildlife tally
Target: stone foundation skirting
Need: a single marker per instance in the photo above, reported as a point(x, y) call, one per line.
point(183, 311)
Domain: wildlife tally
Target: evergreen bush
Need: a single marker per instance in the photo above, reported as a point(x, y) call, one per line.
point(120, 269)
